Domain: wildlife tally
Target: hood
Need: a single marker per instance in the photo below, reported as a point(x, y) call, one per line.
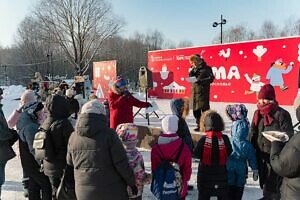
point(169, 150)
point(236, 111)
point(90, 124)
point(240, 129)
point(176, 106)
point(57, 106)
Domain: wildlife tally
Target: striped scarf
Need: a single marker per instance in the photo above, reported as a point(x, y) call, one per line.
point(207, 150)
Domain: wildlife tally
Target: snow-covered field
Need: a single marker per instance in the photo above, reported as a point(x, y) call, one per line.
point(12, 189)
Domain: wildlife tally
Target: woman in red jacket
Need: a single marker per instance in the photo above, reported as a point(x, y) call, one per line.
point(121, 103)
point(168, 145)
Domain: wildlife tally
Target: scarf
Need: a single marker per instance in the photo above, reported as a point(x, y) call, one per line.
point(264, 110)
point(207, 150)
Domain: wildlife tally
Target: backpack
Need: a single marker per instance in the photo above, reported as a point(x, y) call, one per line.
point(167, 179)
point(43, 144)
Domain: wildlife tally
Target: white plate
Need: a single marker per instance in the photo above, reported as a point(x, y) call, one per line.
point(275, 135)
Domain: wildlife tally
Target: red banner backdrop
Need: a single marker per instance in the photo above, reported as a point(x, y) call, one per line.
point(240, 70)
point(104, 73)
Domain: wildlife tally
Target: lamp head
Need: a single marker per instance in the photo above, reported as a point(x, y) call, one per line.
point(215, 24)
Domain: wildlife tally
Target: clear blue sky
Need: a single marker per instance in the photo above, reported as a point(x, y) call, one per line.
point(176, 19)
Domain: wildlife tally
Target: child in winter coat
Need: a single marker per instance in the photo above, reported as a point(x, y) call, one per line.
point(128, 134)
point(213, 150)
point(242, 151)
point(167, 147)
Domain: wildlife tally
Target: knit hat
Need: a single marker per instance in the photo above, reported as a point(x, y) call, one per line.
point(120, 82)
point(236, 111)
point(213, 122)
point(93, 106)
point(128, 134)
point(70, 93)
point(170, 124)
point(267, 92)
point(28, 97)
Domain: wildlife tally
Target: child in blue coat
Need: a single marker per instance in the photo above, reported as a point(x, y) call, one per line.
point(243, 151)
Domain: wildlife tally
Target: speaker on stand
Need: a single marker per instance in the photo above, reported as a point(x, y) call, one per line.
point(145, 83)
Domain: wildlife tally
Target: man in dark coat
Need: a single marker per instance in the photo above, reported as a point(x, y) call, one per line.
point(58, 111)
point(201, 88)
point(6, 135)
point(268, 117)
point(285, 163)
point(27, 126)
point(101, 166)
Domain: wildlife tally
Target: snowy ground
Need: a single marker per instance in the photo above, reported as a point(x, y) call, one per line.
point(12, 189)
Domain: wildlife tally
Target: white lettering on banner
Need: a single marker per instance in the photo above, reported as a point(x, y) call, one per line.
point(181, 57)
point(220, 73)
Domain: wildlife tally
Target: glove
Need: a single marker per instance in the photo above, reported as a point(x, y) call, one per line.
point(149, 105)
point(255, 175)
point(134, 190)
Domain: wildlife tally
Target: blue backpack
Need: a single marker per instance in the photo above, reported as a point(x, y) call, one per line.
point(166, 180)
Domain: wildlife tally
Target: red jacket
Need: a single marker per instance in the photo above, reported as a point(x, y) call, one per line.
point(121, 108)
point(169, 151)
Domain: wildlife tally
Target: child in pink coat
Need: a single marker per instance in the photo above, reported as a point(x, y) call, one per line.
point(128, 133)
point(168, 145)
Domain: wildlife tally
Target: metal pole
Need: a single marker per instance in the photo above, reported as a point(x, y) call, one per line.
point(51, 65)
point(221, 29)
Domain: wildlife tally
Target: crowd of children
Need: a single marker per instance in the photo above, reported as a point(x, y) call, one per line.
point(106, 163)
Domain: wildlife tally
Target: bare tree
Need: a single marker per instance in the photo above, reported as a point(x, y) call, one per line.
point(154, 40)
point(79, 27)
point(268, 30)
point(185, 43)
point(291, 27)
point(236, 34)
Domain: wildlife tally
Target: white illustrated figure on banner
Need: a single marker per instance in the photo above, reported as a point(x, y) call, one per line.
point(174, 88)
point(164, 72)
point(259, 51)
point(226, 54)
point(255, 83)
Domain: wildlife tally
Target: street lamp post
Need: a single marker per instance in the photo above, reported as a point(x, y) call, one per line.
point(221, 23)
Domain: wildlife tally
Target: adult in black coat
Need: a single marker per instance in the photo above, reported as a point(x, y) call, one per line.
point(95, 151)
point(200, 88)
point(213, 149)
point(268, 117)
point(285, 162)
point(58, 111)
point(6, 136)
